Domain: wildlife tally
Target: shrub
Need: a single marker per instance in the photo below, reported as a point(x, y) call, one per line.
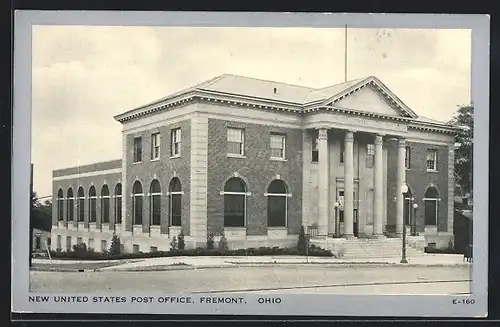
point(210, 241)
point(115, 247)
point(80, 249)
point(302, 242)
point(173, 244)
point(180, 242)
point(223, 247)
point(442, 251)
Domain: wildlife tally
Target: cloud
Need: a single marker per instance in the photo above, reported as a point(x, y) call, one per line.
point(84, 75)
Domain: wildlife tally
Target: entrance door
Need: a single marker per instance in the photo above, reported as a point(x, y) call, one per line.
point(355, 223)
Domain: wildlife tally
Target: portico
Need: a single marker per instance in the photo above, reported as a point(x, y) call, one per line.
point(356, 183)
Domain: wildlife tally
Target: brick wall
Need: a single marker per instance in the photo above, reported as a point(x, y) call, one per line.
point(257, 169)
point(110, 180)
point(163, 170)
point(418, 180)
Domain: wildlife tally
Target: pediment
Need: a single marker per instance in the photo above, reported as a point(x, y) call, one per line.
point(371, 96)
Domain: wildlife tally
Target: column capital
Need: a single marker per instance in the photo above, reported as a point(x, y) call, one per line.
point(349, 136)
point(401, 142)
point(379, 139)
point(322, 133)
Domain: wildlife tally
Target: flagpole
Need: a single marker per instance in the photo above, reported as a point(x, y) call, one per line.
point(345, 53)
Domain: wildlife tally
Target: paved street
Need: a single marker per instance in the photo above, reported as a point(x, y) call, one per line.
point(263, 279)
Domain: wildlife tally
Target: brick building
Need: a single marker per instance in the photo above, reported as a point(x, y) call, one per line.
point(259, 159)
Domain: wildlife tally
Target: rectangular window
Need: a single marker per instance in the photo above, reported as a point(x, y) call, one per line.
point(49, 242)
point(153, 249)
point(235, 141)
point(431, 161)
point(79, 240)
point(278, 146)
point(315, 152)
point(138, 149)
point(91, 243)
point(341, 202)
point(175, 209)
point(155, 146)
point(370, 155)
point(135, 248)
point(68, 243)
point(38, 242)
point(408, 157)
point(104, 246)
point(175, 146)
point(234, 210)
point(59, 242)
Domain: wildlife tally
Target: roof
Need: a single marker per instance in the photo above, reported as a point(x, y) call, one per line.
point(281, 94)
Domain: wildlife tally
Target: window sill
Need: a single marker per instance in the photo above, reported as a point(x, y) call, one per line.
point(155, 159)
point(136, 162)
point(277, 159)
point(277, 227)
point(239, 156)
point(175, 156)
point(431, 171)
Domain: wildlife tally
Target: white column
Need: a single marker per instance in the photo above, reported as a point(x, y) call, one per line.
point(323, 181)
point(378, 189)
point(349, 184)
point(401, 180)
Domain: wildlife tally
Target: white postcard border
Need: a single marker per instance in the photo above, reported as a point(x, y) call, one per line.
point(325, 305)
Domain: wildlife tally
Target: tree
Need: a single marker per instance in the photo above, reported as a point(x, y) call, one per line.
point(41, 213)
point(464, 118)
point(116, 247)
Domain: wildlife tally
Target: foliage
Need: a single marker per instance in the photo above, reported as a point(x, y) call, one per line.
point(80, 249)
point(302, 242)
point(181, 245)
point(223, 247)
point(41, 214)
point(173, 244)
point(210, 241)
point(262, 251)
point(115, 247)
point(464, 118)
point(446, 250)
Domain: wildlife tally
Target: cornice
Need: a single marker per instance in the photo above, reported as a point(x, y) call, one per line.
point(210, 97)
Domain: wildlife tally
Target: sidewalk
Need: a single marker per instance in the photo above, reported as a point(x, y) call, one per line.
point(223, 262)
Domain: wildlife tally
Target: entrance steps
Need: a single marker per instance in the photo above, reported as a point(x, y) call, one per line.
point(373, 248)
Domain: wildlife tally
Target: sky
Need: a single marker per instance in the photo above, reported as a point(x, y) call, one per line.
point(82, 76)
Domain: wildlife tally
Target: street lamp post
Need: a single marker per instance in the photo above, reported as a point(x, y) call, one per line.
point(414, 222)
point(404, 189)
point(337, 222)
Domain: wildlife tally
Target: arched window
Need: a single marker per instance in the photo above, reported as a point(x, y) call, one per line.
point(175, 202)
point(81, 204)
point(155, 203)
point(70, 205)
point(118, 203)
point(60, 203)
point(431, 199)
point(234, 202)
point(407, 203)
point(92, 205)
point(137, 203)
point(105, 204)
point(277, 203)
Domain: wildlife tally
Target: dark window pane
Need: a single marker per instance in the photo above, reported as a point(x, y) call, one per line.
point(118, 211)
point(81, 210)
point(430, 213)
point(137, 210)
point(234, 210)
point(156, 210)
point(234, 184)
point(93, 210)
point(105, 210)
point(176, 209)
point(277, 187)
point(276, 211)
